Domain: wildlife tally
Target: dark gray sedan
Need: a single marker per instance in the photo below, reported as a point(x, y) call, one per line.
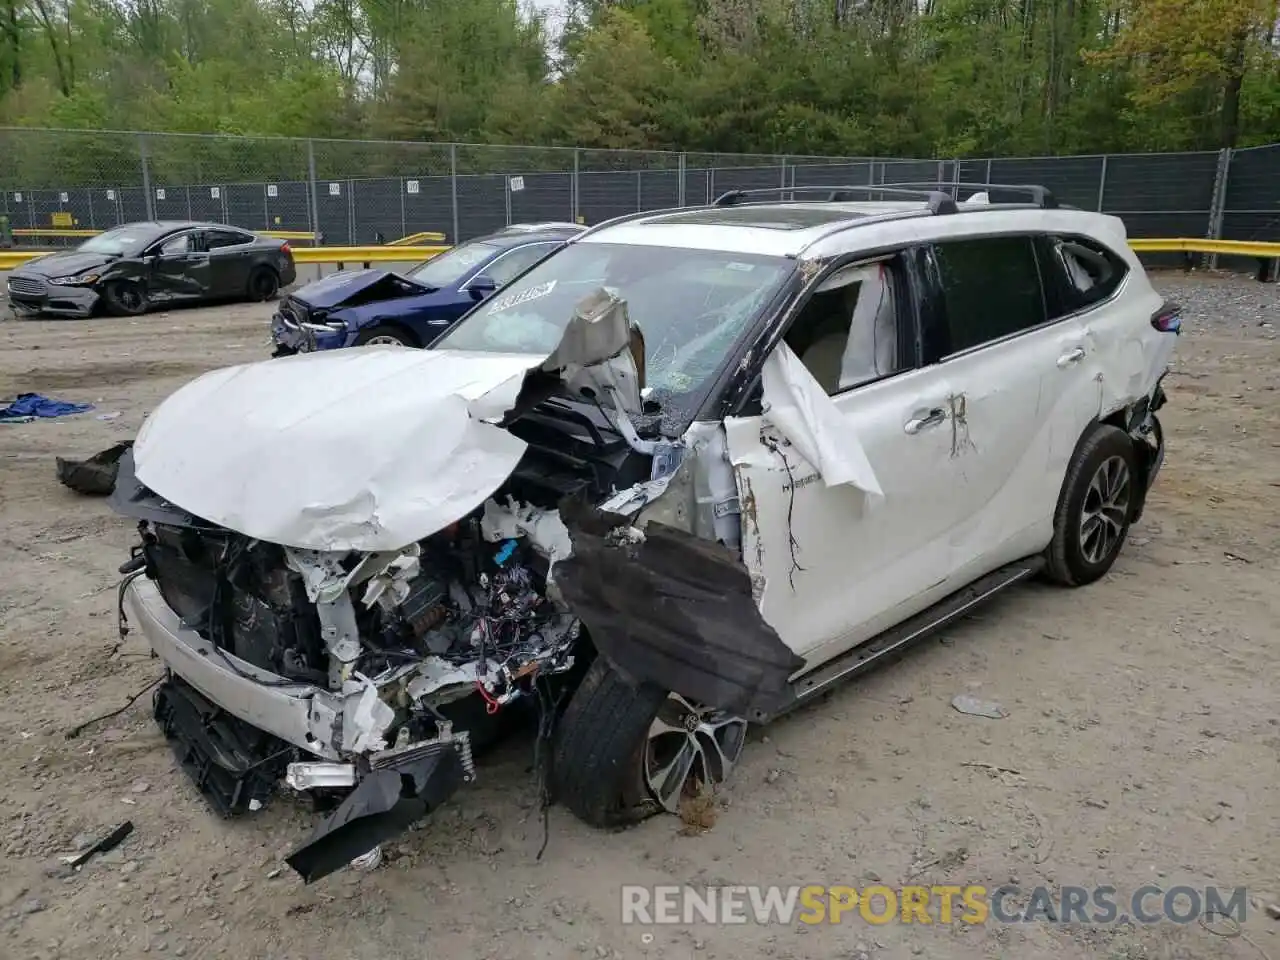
point(128, 269)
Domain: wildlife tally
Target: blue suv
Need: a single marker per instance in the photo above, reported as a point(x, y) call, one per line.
point(352, 308)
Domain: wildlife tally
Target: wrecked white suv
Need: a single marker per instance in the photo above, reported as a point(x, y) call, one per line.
point(686, 473)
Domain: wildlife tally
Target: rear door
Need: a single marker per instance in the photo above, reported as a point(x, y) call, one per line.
point(231, 255)
point(1020, 394)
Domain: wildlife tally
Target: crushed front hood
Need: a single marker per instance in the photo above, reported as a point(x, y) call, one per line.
point(365, 449)
point(71, 263)
point(337, 288)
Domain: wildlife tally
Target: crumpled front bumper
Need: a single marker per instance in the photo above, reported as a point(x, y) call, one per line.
point(393, 788)
point(298, 713)
point(58, 300)
point(292, 336)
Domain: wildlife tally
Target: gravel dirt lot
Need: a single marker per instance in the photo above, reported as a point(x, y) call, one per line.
point(1143, 725)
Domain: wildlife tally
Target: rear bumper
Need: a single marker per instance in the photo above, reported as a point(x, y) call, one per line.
point(1148, 438)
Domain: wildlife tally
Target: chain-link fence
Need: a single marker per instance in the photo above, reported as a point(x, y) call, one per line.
point(363, 192)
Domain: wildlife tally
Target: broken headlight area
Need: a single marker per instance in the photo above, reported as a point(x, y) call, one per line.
point(374, 656)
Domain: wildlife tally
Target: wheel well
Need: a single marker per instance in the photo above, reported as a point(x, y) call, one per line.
point(397, 326)
point(1116, 419)
point(1125, 420)
point(139, 282)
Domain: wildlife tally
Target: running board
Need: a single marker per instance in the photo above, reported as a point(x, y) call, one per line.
point(897, 639)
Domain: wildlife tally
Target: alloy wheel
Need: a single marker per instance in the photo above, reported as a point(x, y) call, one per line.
point(688, 747)
point(1105, 510)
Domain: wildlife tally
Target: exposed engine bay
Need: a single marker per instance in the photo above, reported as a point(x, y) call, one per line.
point(464, 611)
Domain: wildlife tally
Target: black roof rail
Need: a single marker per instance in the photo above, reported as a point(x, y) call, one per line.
point(939, 201)
point(1042, 197)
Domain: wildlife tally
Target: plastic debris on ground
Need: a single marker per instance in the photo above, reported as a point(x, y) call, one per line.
point(95, 477)
point(104, 845)
point(979, 708)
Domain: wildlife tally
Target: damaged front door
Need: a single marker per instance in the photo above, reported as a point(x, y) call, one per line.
point(843, 547)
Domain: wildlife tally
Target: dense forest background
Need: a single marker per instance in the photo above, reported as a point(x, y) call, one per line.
point(846, 77)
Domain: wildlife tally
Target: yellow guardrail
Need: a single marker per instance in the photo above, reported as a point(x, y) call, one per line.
point(54, 232)
point(414, 239)
point(383, 254)
point(16, 258)
point(1231, 248)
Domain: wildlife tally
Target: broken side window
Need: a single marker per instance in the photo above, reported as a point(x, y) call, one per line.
point(1093, 273)
point(846, 334)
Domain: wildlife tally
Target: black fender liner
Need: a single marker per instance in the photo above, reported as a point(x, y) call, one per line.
point(675, 611)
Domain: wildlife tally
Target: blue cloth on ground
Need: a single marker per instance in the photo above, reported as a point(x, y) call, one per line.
point(34, 405)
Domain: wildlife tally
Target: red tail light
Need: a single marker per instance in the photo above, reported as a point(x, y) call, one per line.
point(285, 248)
point(1168, 319)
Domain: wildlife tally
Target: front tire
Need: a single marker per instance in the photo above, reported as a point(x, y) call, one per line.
point(1095, 508)
point(125, 298)
point(624, 753)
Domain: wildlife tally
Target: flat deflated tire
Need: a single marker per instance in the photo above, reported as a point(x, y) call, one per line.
point(596, 761)
point(1094, 508)
point(624, 752)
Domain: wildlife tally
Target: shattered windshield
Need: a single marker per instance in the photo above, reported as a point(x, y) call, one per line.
point(445, 269)
point(690, 305)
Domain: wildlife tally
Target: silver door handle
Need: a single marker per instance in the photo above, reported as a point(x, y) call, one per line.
point(1070, 357)
point(930, 419)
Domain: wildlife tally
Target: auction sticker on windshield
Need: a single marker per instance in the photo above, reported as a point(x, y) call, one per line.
point(535, 292)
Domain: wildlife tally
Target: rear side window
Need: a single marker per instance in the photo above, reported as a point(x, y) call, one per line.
point(227, 238)
point(1090, 273)
point(991, 287)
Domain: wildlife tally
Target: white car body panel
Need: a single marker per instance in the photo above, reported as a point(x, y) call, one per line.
point(931, 512)
point(367, 449)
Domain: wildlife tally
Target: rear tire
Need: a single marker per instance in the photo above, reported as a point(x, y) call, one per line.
point(125, 298)
point(624, 753)
point(264, 284)
point(386, 333)
point(1095, 508)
